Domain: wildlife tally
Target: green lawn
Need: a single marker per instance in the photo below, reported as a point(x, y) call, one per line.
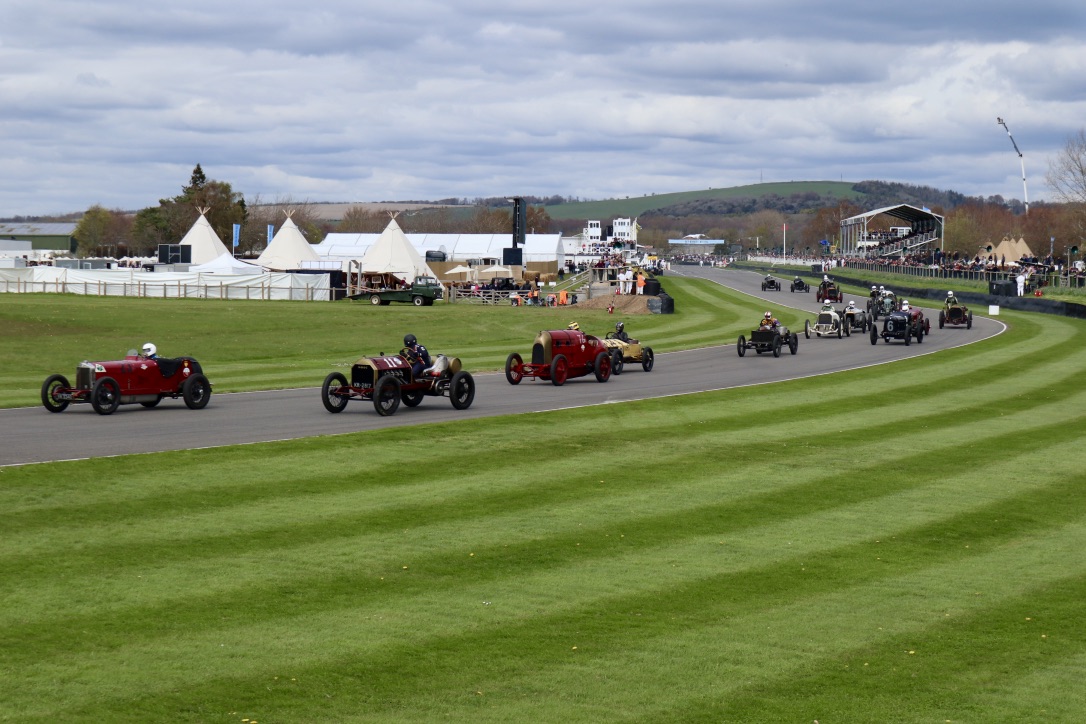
point(267, 345)
point(898, 543)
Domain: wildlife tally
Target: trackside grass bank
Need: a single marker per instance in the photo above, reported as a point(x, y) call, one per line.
point(899, 543)
point(266, 345)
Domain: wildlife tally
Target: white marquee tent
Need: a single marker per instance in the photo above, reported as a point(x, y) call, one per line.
point(287, 250)
point(457, 247)
point(393, 253)
point(226, 264)
point(205, 243)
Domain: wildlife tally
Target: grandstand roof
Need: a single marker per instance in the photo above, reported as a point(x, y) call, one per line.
point(905, 212)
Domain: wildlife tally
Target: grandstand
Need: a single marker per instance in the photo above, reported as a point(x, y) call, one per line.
point(923, 232)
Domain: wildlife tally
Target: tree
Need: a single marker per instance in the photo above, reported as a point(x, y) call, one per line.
point(104, 233)
point(825, 223)
point(490, 221)
point(359, 220)
point(1067, 177)
point(171, 220)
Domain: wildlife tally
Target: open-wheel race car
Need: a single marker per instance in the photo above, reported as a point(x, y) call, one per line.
point(137, 378)
point(828, 324)
point(882, 305)
point(854, 319)
point(559, 355)
point(798, 285)
point(627, 350)
point(768, 339)
point(389, 380)
point(956, 314)
point(771, 284)
point(828, 291)
point(904, 324)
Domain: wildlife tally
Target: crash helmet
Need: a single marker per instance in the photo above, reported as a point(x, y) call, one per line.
point(873, 287)
point(768, 276)
point(881, 288)
point(905, 305)
point(574, 326)
point(620, 326)
point(768, 315)
point(852, 305)
point(950, 294)
point(409, 340)
point(825, 277)
point(150, 350)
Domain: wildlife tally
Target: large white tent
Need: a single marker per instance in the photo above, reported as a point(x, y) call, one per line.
point(456, 247)
point(392, 253)
point(226, 264)
point(205, 243)
point(287, 250)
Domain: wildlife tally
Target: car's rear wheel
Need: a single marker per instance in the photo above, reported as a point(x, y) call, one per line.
point(375, 299)
point(969, 321)
point(49, 389)
point(386, 395)
point(462, 390)
point(874, 335)
point(648, 359)
point(741, 345)
point(617, 362)
point(412, 398)
point(793, 343)
point(559, 370)
point(196, 391)
point(601, 367)
point(513, 371)
point(908, 338)
point(105, 396)
point(839, 335)
point(920, 336)
point(418, 301)
point(333, 401)
point(152, 403)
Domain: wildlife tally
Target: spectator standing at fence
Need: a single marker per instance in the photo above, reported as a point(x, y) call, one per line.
point(641, 283)
point(1021, 279)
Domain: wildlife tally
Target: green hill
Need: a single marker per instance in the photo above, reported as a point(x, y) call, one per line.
point(639, 205)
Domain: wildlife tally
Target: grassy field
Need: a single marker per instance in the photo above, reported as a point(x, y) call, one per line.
point(267, 345)
point(898, 543)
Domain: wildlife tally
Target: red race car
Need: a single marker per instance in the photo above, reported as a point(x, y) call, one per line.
point(559, 355)
point(136, 378)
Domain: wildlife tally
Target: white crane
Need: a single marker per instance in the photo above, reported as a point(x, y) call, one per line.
point(1025, 194)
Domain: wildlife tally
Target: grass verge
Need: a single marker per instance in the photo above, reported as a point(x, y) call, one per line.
point(898, 543)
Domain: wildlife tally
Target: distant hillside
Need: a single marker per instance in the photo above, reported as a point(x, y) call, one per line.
point(792, 197)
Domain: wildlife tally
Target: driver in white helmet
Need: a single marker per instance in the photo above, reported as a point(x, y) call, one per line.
point(951, 300)
point(768, 321)
point(149, 351)
point(905, 305)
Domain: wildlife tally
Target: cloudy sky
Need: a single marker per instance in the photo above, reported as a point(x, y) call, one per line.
point(113, 102)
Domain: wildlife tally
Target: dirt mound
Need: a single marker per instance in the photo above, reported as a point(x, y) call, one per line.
point(625, 303)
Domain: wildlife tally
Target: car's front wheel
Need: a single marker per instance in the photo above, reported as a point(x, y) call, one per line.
point(793, 343)
point(49, 389)
point(741, 345)
point(333, 401)
point(617, 362)
point(601, 367)
point(462, 390)
point(513, 372)
point(559, 370)
point(807, 328)
point(105, 396)
point(418, 301)
point(386, 395)
point(196, 392)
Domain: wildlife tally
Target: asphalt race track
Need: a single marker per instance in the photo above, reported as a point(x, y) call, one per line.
point(33, 434)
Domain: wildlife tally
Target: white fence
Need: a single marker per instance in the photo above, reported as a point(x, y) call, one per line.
point(171, 285)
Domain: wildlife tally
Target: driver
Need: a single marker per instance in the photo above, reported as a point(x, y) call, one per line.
point(573, 326)
point(620, 332)
point(905, 305)
point(851, 307)
point(415, 354)
point(149, 351)
point(768, 321)
point(951, 300)
point(874, 292)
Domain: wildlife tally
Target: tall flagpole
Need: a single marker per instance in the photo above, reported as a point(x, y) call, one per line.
point(1025, 193)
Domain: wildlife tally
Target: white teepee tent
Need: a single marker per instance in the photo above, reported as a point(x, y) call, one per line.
point(392, 253)
point(287, 250)
point(205, 243)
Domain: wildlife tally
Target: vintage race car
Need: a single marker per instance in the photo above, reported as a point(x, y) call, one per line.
point(828, 291)
point(768, 340)
point(956, 315)
point(828, 324)
point(623, 351)
point(106, 385)
point(882, 305)
point(389, 380)
point(903, 325)
point(559, 355)
point(855, 319)
point(769, 283)
point(798, 285)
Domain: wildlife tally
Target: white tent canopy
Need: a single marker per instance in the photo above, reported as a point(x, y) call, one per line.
point(287, 250)
point(205, 243)
point(226, 264)
point(392, 253)
point(457, 247)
